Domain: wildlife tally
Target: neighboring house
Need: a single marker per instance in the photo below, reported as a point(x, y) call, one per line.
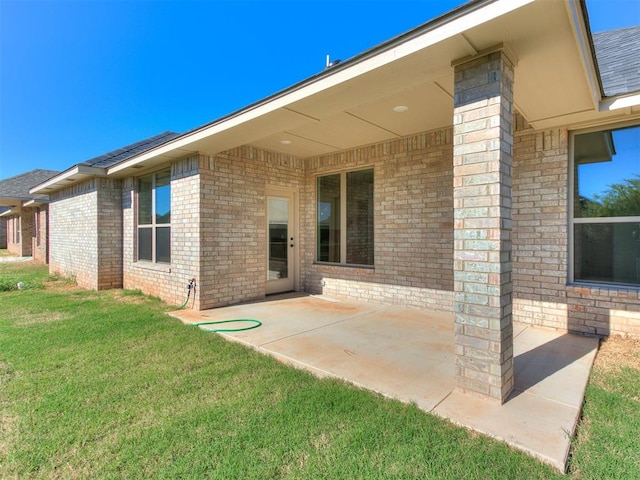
point(86, 217)
point(25, 215)
point(454, 167)
point(3, 228)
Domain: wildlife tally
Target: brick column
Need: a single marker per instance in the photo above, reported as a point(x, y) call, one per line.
point(27, 232)
point(482, 160)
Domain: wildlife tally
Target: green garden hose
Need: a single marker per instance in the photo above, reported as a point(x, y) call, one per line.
point(184, 304)
point(256, 324)
point(190, 287)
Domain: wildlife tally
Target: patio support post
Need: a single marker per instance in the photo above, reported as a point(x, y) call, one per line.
point(482, 162)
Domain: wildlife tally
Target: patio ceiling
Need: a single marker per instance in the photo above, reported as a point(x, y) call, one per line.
point(351, 104)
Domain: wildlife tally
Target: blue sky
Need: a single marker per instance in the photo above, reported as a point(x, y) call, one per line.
point(81, 78)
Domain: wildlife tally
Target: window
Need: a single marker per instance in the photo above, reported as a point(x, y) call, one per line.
point(606, 207)
point(345, 218)
point(154, 217)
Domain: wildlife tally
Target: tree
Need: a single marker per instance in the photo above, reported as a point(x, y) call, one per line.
point(620, 200)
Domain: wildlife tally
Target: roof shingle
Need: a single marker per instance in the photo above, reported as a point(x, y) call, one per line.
point(18, 187)
point(618, 56)
point(120, 155)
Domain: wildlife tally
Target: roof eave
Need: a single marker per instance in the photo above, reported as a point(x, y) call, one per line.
point(582, 23)
point(12, 201)
point(11, 212)
point(69, 177)
point(579, 19)
point(36, 202)
point(629, 101)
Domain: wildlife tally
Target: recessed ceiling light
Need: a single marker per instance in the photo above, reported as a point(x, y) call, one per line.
point(400, 108)
point(285, 142)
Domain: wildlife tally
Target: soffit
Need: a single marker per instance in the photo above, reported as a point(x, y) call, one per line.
point(75, 174)
point(14, 210)
point(550, 84)
point(11, 202)
point(554, 83)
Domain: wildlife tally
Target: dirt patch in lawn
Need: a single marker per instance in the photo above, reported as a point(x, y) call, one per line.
point(61, 285)
point(129, 297)
point(617, 352)
point(25, 318)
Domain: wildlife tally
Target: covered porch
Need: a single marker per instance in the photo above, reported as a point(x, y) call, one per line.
point(432, 116)
point(409, 354)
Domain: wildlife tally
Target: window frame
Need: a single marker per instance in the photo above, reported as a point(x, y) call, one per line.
point(153, 226)
point(573, 220)
point(343, 217)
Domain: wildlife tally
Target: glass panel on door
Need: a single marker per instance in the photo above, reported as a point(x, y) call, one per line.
point(278, 220)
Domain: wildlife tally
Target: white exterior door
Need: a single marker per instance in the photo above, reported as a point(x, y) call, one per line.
point(281, 241)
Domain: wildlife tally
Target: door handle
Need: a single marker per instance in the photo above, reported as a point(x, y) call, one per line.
point(291, 244)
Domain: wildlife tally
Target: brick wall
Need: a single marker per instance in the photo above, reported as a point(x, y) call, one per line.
point(73, 233)
point(218, 227)
point(109, 233)
point(26, 219)
point(3, 233)
point(13, 226)
point(168, 281)
point(413, 223)
point(219, 231)
point(23, 223)
point(39, 244)
point(84, 233)
point(542, 295)
point(234, 242)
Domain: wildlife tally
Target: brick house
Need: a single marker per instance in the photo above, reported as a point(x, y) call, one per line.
point(86, 210)
point(3, 228)
point(24, 215)
point(461, 166)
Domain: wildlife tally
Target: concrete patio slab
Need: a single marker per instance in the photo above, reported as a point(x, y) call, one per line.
point(550, 364)
point(408, 354)
point(369, 350)
point(540, 427)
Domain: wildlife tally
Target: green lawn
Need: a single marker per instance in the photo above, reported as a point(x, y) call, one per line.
point(29, 275)
point(106, 385)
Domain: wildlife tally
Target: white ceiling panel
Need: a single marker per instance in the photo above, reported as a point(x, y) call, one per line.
point(342, 131)
point(429, 107)
point(351, 105)
point(298, 146)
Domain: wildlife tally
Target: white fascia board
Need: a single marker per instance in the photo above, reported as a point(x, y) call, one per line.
point(67, 175)
point(617, 103)
point(33, 203)
point(343, 73)
point(11, 212)
point(587, 56)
